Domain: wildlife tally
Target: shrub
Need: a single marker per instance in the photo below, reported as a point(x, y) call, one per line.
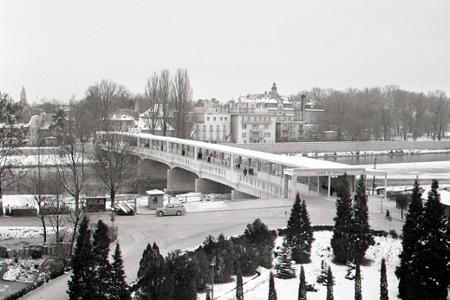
point(393, 234)
point(53, 267)
point(3, 252)
point(35, 254)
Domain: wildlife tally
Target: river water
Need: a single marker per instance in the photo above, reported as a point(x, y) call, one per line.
point(391, 159)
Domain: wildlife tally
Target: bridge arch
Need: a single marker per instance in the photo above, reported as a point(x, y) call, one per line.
point(151, 174)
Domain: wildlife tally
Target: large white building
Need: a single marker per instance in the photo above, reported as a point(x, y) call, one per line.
point(252, 128)
point(212, 127)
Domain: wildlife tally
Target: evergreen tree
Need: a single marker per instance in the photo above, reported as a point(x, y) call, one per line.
point(412, 229)
point(272, 291)
point(299, 232)
point(302, 285)
point(80, 283)
point(208, 297)
point(239, 285)
point(383, 282)
point(25, 115)
point(322, 278)
point(430, 262)
point(153, 280)
point(103, 271)
point(362, 236)
point(262, 239)
point(119, 288)
point(283, 267)
point(184, 272)
point(358, 292)
point(341, 240)
point(330, 283)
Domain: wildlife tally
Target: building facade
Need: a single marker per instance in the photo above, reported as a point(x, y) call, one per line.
point(252, 128)
point(212, 127)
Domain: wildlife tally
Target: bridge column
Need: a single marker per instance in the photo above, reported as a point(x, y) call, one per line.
point(180, 181)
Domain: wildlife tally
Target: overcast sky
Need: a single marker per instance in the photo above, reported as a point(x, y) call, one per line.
point(56, 49)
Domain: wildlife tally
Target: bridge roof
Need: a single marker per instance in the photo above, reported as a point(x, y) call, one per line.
point(290, 161)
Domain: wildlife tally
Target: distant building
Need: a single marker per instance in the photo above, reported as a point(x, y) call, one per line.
point(252, 128)
point(122, 122)
point(212, 127)
point(149, 123)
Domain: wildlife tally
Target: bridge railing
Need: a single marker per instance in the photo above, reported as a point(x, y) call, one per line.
point(266, 184)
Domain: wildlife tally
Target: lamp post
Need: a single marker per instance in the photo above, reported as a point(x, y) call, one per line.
point(212, 264)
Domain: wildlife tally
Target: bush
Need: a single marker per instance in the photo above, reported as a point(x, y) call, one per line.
point(53, 267)
point(393, 234)
point(35, 254)
point(3, 252)
point(113, 233)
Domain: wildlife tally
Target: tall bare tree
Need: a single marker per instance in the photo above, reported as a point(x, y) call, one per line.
point(72, 175)
point(105, 96)
point(164, 93)
point(153, 102)
point(182, 103)
point(112, 163)
point(9, 139)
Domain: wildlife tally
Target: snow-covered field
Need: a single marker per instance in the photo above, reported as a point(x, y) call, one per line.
point(25, 232)
point(287, 289)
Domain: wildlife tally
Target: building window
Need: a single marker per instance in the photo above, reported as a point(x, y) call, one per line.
point(266, 126)
point(207, 118)
point(218, 128)
point(266, 134)
point(224, 128)
point(214, 118)
point(221, 119)
point(244, 134)
point(204, 127)
point(211, 128)
point(244, 126)
point(225, 118)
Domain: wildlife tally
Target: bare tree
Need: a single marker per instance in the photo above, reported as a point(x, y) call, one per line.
point(56, 217)
point(439, 113)
point(164, 93)
point(72, 175)
point(182, 103)
point(105, 96)
point(112, 163)
point(9, 139)
point(154, 104)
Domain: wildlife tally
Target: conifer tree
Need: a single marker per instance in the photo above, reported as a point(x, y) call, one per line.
point(119, 288)
point(239, 285)
point(208, 297)
point(302, 285)
point(103, 271)
point(341, 240)
point(412, 229)
point(358, 292)
point(383, 282)
point(362, 236)
point(430, 262)
point(272, 291)
point(80, 283)
point(153, 280)
point(299, 232)
point(330, 283)
point(283, 267)
point(184, 272)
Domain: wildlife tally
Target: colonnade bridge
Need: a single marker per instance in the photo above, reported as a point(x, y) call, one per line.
point(190, 165)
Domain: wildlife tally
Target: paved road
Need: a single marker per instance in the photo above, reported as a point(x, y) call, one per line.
point(189, 231)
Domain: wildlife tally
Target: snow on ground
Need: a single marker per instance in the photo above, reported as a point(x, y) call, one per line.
point(425, 170)
point(375, 153)
point(25, 232)
point(25, 270)
point(287, 289)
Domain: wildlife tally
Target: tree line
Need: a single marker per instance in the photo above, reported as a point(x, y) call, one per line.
point(167, 101)
point(381, 113)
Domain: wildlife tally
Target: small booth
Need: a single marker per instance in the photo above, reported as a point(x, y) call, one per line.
point(155, 199)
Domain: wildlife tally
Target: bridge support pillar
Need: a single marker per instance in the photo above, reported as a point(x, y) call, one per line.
point(237, 195)
point(180, 181)
point(206, 186)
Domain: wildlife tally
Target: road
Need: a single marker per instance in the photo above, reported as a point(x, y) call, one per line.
point(189, 231)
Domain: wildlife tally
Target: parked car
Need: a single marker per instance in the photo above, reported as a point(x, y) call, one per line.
point(171, 209)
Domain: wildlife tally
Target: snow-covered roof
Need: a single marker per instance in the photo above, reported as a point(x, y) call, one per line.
point(154, 192)
point(121, 117)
